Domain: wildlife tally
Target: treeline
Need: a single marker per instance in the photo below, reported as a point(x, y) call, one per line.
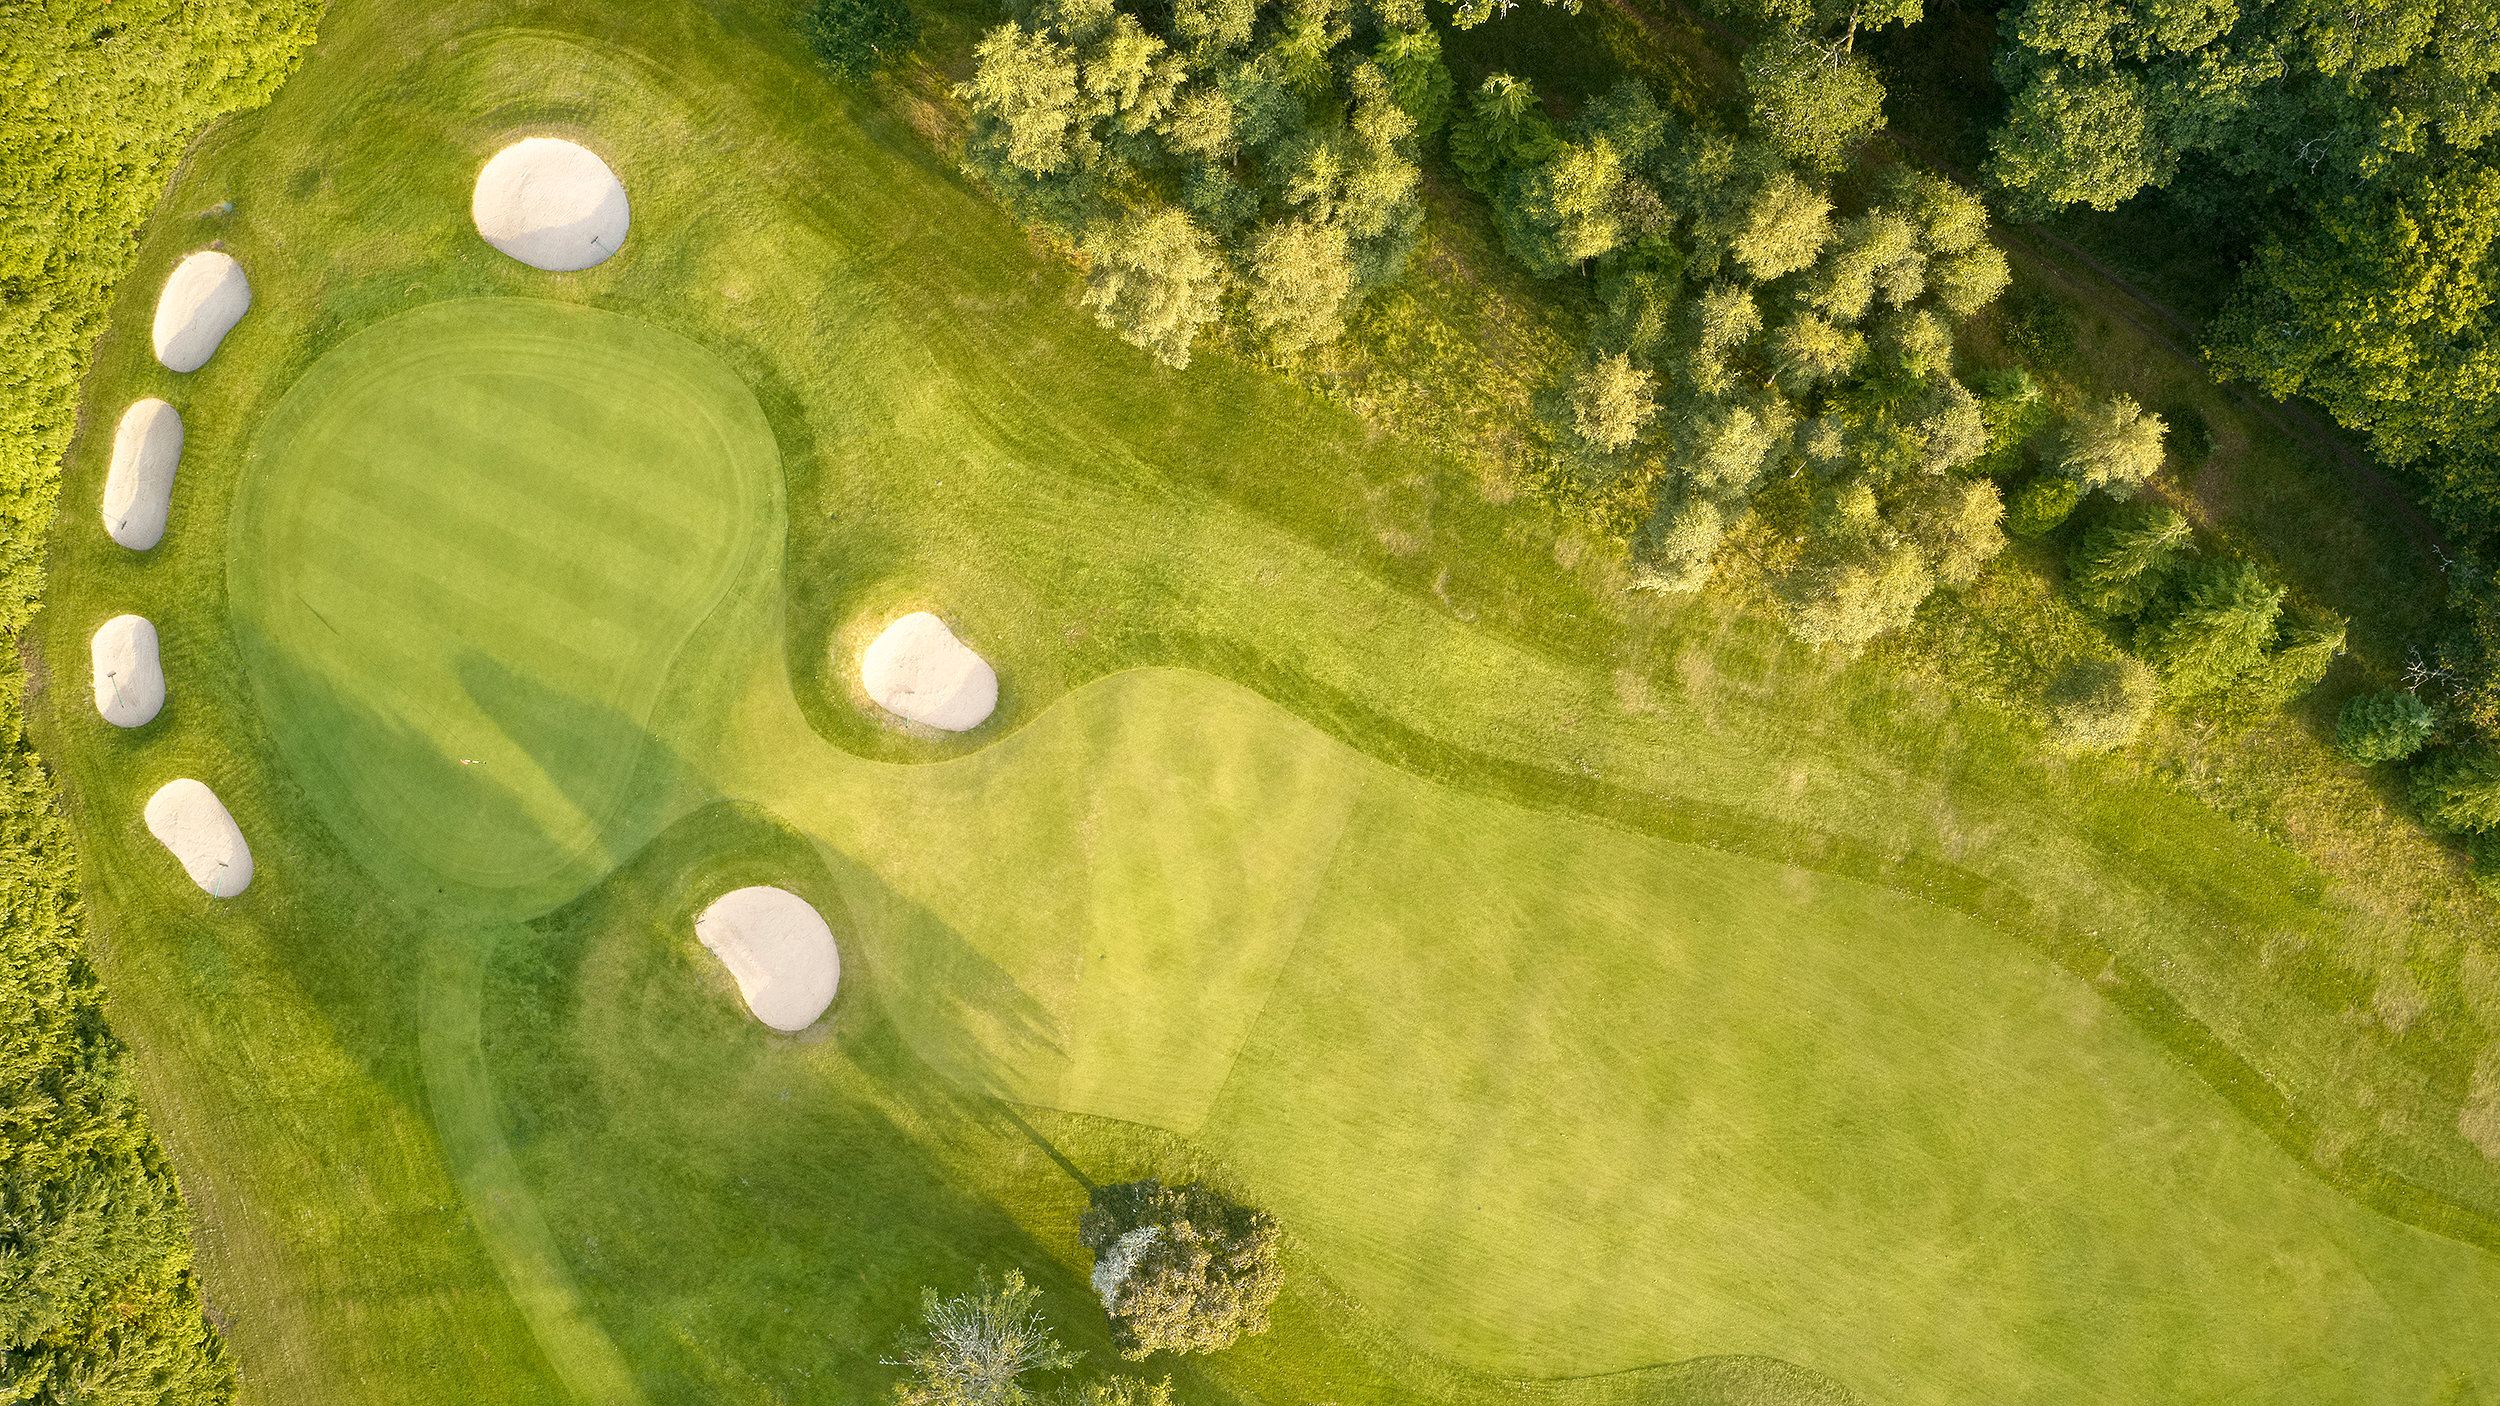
point(98, 100)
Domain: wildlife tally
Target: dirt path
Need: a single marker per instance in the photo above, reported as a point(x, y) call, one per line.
point(2096, 285)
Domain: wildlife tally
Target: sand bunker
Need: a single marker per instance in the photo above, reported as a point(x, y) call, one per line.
point(550, 204)
point(187, 818)
point(202, 302)
point(778, 949)
point(918, 670)
point(146, 446)
point(129, 679)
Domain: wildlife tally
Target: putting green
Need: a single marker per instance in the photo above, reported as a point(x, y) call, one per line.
point(478, 535)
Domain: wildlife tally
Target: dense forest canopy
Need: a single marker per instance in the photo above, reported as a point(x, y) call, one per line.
point(98, 98)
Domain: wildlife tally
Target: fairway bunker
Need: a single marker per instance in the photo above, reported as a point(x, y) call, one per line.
point(551, 204)
point(187, 819)
point(129, 678)
point(918, 670)
point(139, 488)
point(778, 950)
point(203, 300)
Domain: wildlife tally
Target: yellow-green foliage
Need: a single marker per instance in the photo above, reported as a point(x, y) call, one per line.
point(97, 99)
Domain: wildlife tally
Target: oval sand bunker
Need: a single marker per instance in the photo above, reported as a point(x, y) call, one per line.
point(779, 950)
point(203, 300)
point(918, 670)
point(129, 678)
point(188, 819)
point(146, 446)
point(550, 204)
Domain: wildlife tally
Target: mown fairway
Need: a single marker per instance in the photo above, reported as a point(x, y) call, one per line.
point(1589, 984)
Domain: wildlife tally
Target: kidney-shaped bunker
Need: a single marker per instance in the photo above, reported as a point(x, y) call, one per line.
point(139, 487)
point(918, 670)
point(778, 949)
point(187, 818)
point(551, 204)
point(129, 679)
point(203, 300)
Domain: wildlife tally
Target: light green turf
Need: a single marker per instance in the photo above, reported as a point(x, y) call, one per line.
point(1535, 1093)
point(1550, 1099)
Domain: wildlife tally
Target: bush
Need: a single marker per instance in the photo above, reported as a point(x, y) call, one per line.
point(2458, 791)
point(2383, 727)
point(2483, 859)
point(2099, 704)
point(854, 36)
point(1179, 1268)
point(2191, 435)
point(2042, 506)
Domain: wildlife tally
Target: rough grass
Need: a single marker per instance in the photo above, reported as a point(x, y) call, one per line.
point(439, 1156)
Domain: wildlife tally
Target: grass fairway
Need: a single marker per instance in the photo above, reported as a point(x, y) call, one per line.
point(1592, 984)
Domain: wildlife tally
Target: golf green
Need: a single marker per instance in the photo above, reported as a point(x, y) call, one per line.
point(477, 536)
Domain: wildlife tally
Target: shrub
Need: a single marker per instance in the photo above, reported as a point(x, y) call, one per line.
point(2383, 727)
point(1179, 1268)
point(2122, 565)
point(854, 36)
point(2458, 791)
point(2039, 328)
point(2041, 506)
point(2482, 854)
point(2099, 704)
point(2222, 626)
point(2191, 435)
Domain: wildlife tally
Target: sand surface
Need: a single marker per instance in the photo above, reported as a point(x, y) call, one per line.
point(203, 300)
point(129, 679)
point(778, 949)
point(188, 819)
point(551, 204)
point(146, 446)
point(918, 670)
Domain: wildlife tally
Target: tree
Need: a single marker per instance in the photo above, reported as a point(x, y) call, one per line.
point(975, 1349)
point(2220, 628)
point(1118, 1391)
point(1180, 1268)
point(1815, 103)
point(1418, 78)
point(2041, 506)
point(1786, 228)
point(1503, 130)
point(1157, 278)
point(2383, 727)
point(2111, 444)
point(2122, 565)
point(1953, 520)
point(1023, 98)
point(2306, 645)
point(1300, 280)
point(854, 36)
point(2458, 791)
point(2099, 704)
point(1864, 590)
point(1612, 401)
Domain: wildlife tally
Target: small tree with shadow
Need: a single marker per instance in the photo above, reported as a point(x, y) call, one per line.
point(975, 1349)
point(853, 37)
point(1180, 1268)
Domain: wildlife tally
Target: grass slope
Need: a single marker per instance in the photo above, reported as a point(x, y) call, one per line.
point(572, 1167)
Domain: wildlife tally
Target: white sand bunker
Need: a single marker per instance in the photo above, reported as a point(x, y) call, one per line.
point(129, 679)
point(550, 204)
point(187, 818)
point(202, 302)
point(918, 670)
point(778, 949)
point(146, 446)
